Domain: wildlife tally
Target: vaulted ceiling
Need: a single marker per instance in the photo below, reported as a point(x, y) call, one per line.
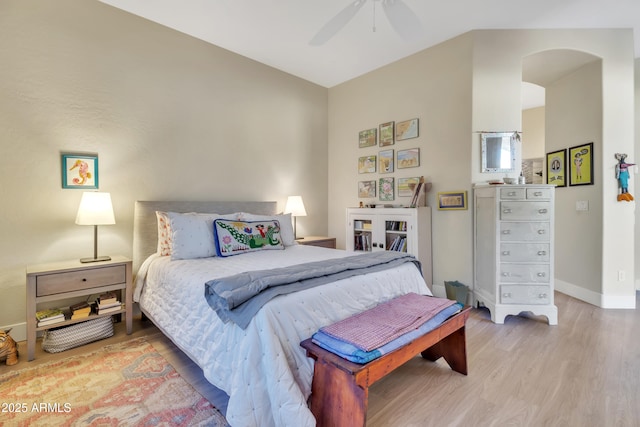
point(331, 41)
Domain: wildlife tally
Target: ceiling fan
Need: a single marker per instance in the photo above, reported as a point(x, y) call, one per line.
point(403, 20)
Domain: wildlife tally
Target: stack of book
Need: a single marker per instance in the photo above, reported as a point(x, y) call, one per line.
point(80, 310)
point(107, 303)
point(399, 244)
point(49, 316)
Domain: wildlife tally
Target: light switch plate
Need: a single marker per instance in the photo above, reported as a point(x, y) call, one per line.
point(582, 205)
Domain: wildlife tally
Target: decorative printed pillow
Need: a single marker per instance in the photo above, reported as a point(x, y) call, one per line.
point(286, 227)
point(164, 233)
point(239, 237)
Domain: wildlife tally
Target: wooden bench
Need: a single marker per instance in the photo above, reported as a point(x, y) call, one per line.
point(340, 388)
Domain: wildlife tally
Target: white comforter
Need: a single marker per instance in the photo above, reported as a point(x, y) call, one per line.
point(263, 369)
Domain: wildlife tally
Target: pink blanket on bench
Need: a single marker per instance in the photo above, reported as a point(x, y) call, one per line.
point(382, 324)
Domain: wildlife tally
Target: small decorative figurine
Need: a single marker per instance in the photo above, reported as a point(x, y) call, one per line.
point(8, 348)
point(622, 175)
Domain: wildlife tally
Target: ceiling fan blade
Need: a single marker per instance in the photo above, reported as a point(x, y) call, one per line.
point(336, 23)
point(403, 20)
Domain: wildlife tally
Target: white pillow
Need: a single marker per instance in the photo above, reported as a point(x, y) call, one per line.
point(286, 228)
point(192, 234)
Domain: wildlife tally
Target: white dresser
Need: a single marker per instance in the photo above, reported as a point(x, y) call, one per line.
point(514, 250)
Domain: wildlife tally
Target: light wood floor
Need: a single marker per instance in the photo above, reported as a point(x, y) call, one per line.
point(583, 372)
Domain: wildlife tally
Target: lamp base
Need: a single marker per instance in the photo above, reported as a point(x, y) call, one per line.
point(95, 259)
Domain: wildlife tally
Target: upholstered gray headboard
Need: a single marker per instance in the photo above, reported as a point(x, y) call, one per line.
point(145, 227)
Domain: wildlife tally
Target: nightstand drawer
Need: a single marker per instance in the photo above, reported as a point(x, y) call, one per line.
point(50, 284)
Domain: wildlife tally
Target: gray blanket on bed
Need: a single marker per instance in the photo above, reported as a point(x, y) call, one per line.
point(238, 298)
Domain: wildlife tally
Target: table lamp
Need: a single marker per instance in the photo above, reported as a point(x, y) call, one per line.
point(95, 209)
point(295, 207)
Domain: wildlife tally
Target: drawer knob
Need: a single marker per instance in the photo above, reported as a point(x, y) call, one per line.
point(507, 295)
point(84, 279)
point(542, 253)
point(537, 193)
point(542, 295)
point(541, 231)
point(542, 211)
point(506, 231)
point(505, 252)
point(505, 274)
point(541, 274)
point(511, 193)
point(507, 211)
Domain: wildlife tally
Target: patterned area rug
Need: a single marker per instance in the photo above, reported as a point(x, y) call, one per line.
point(127, 384)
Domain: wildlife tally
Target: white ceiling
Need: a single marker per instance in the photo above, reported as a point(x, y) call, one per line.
point(278, 32)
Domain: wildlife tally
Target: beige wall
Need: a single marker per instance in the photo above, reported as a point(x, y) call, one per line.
point(171, 117)
point(434, 86)
point(574, 117)
point(533, 144)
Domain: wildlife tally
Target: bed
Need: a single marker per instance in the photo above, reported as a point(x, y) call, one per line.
point(262, 368)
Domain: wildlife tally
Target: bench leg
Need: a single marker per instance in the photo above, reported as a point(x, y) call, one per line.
point(336, 400)
point(453, 349)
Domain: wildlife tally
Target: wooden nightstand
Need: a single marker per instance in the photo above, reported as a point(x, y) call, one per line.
point(70, 279)
point(322, 241)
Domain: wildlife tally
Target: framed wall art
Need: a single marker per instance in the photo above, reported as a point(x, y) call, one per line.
point(580, 160)
point(407, 185)
point(386, 188)
point(386, 134)
point(557, 168)
point(367, 164)
point(366, 189)
point(367, 138)
point(385, 161)
point(408, 158)
point(452, 200)
point(79, 171)
point(407, 129)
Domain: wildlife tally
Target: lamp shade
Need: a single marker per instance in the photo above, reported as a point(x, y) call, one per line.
point(295, 206)
point(95, 209)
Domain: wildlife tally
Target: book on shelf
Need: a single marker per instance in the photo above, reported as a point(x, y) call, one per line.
point(51, 321)
point(399, 244)
point(110, 305)
point(111, 309)
point(79, 310)
point(50, 313)
point(80, 315)
point(107, 298)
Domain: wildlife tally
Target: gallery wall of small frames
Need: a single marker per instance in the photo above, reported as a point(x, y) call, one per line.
point(381, 155)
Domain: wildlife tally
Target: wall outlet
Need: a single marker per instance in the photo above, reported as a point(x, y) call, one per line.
point(622, 276)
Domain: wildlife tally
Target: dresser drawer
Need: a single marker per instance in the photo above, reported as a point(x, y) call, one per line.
point(518, 294)
point(524, 231)
point(524, 252)
point(507, 193)
point(525, 211)
point(50, 284)
point(524, 273)
point(539, 194)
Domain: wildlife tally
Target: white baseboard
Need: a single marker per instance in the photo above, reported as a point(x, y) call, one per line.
point(18, 331)
point(595, 298)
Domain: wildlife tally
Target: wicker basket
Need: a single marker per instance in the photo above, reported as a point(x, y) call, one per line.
point(67, 337)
